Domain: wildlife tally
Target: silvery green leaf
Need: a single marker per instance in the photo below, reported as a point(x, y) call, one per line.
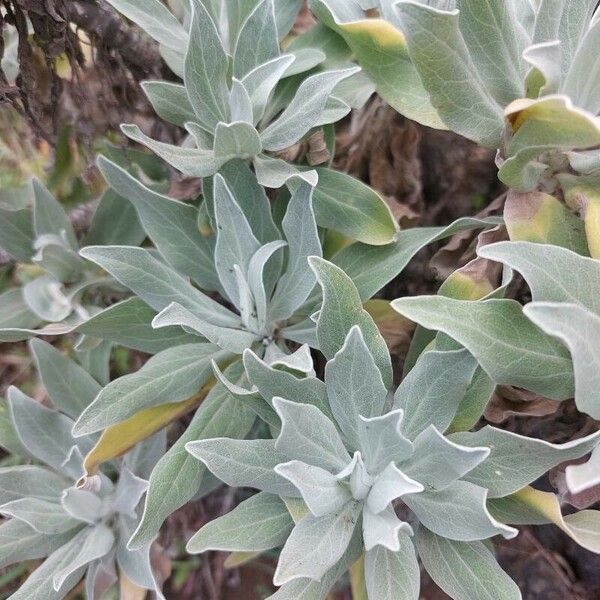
point(14, 313)
point(156, 20)
point(114, 222)
point(9, 440)
point(316, 544)
point(45, 296)
point(286, 12)
point(170, 224)
point(511, 510)
point(259, 279)
point(19, 542)
point(432, 391)
point(143, 458)
point(357, 259)
point(392, 575)
point(383, 529)
point(273, 382)
point(502, 474)
point(45, 433)
point(15, 334)
point(302, 332)
point(390, 484)
point(457, 512)
point(257, 41)
point(308, 435)
point(356, 90)
point(251, 398)
point(251, 198)
point(305, 59)
point(83, 505)
point(16, 233)
point(275, 172)
point(522, 171)
point(341, 310)
point(196, 162)
point(30, 481)
point(174, 59)
point(506, 344)
point(322, 491)
point(437, 49)
point(260, 523)
point(98, 542)
point(464, 570)
point(438, 461)
point(100, 576)
point(240, 103)
point(58, 261)
point(154, 282)
point(261, 81)
point(200, 137)
point(354, 386)
point(232, 339)
point(136, 564)
point(381, 440)
point(130, 489)
point(39, 584)
point(169, 101)
point(70, 387)
point(300, 361)
point(169, 376)
point(129, 323)
point(584, 476)
point(244, 463)
point(582, 82)
point(545, 58)
point(585, 161)
point(236, 139)
point(206, 67)
point(299, 226)
point(49, 217)
point(43, 516)
point(177, 476)
point(496, 40)
point(246, 301)
point(310, 589)
point(566, 21)
point(335, 110)
point(235, 243)
point(304, 110)
point(554, 274)
point(578, 329)
point(359, 479)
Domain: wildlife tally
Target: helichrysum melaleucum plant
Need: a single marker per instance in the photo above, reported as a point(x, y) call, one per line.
point(231, 66)
point(520, 77)
point(57, 283)
point(354, 470)
point(80, 532)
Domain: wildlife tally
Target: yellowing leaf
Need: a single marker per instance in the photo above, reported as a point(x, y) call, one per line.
point(381, 51)
point(237, 559)
point(129, 590)
point(122, 437)
point(583, 526)
point(592, 226)
point(541, 218)
point(551, 121)
point(357, 580)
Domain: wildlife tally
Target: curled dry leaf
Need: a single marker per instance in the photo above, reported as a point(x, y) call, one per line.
point(461, 248)
point(510, 401)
